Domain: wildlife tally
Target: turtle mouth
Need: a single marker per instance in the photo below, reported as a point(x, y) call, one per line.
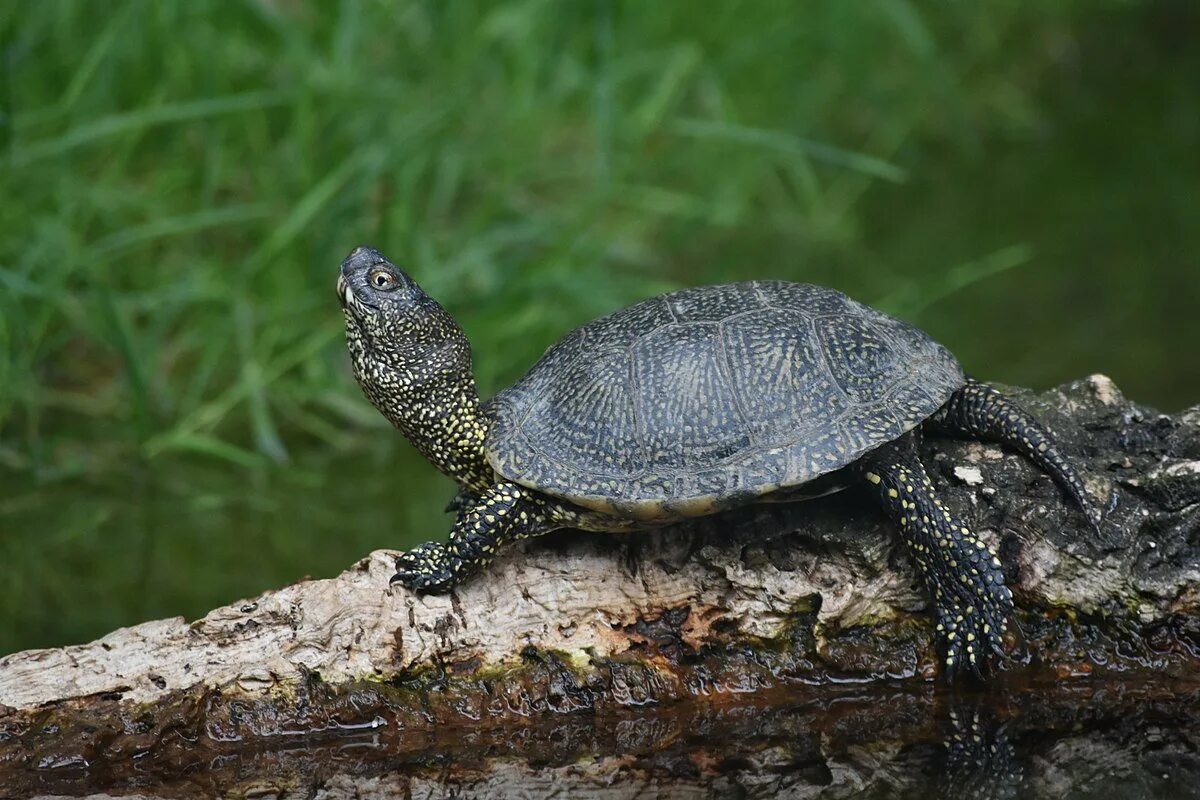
point(343, 290)
point(348, 298)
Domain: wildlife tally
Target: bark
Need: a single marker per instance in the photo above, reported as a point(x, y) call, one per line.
point(772, 607)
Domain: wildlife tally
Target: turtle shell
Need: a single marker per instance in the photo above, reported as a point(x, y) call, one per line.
point(705, 398)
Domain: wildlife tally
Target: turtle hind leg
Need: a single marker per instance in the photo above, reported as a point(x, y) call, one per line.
point(964, 578)
point(501, 515)
point(981, 762)
point(980, 411)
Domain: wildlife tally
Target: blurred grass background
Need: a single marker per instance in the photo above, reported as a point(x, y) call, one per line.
point(178, 426)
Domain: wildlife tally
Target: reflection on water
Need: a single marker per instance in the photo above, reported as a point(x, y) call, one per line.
point(981, 760)
point(1113, 740)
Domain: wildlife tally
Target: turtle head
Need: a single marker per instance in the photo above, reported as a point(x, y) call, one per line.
point(413, 362)
point(393, 322)
point(374, 291)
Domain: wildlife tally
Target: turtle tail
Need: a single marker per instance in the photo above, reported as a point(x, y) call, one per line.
point(979, 410)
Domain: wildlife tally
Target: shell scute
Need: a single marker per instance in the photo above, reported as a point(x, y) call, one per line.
point(777, 370)
point(602, 430)
point(620, 330)
point(862, 355)
point(713, 303)
point(687, 408)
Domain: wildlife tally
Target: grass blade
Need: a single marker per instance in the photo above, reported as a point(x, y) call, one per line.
point(128, 239)
point(788, 144)
point(142, 118)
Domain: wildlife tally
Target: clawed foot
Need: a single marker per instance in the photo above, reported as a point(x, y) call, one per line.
point(972, 636)
point(425, 568)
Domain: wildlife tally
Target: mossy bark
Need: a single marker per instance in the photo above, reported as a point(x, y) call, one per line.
point(767, 606)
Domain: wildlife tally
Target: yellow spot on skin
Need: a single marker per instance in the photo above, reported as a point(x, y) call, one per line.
point(873, 478)
point(892, 493)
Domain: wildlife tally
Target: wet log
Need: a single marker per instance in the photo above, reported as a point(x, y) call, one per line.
point(796, 599)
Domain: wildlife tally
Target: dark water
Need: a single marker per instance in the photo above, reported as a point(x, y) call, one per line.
point(1047, 229)
point(96, 552)
point(1133, 739)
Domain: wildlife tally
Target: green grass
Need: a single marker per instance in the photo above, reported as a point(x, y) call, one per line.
point(181, 179)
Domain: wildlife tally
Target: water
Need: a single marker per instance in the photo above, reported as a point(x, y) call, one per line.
point(183, 536)
point(1021, 165)
point(1113, 739)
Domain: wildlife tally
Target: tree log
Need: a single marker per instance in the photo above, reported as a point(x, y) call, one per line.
point(765, 608)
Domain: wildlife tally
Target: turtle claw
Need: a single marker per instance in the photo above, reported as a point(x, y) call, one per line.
point(972, 641)
point(424, 568)
point(423, 583)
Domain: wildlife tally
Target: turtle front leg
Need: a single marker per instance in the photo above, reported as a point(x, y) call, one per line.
point(964, 578)
point(501, 515)
point(981, 411)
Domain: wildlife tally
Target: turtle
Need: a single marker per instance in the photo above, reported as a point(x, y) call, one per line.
point(689, 404)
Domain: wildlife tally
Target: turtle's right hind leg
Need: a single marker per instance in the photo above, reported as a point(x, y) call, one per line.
point(972, 604)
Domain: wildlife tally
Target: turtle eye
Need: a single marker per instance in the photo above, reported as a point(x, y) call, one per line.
point(382, 279)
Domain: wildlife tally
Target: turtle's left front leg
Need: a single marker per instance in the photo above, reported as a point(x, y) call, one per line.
point(503, 514)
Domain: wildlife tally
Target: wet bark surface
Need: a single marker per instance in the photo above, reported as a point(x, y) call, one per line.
point(775, 649)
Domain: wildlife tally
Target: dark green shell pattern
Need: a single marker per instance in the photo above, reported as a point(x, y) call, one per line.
point(703, 398)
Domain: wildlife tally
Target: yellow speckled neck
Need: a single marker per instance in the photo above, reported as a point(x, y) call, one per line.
point(417, 372)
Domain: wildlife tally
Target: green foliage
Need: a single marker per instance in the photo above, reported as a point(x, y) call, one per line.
point(181, 180)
